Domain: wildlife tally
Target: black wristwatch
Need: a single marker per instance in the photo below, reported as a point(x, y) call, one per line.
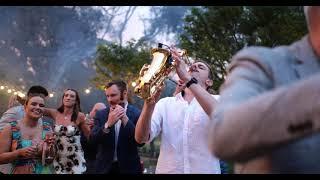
point(106, 130)
point(192, 80)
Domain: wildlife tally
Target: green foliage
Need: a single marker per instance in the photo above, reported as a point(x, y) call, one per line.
point(211, 33)
point(120, 62)
point(45, 38)
point(216, 33)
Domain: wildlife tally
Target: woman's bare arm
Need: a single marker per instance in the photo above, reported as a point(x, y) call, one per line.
point(50, 112)
point(83, 125)
point(5, 144)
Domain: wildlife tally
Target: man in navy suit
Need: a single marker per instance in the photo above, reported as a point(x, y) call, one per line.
point(113, 133)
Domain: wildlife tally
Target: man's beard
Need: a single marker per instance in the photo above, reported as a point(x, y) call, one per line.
point(121, 101)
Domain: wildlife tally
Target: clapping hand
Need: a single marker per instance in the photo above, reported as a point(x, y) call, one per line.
point(116, 112)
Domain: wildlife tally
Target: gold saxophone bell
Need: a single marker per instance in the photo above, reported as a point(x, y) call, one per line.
point(152, 77)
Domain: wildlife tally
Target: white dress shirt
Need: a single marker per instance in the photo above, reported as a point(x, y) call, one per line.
point(117, 127)
point(184, 130)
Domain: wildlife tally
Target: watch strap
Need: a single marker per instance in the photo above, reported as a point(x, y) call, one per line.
point(192, 81)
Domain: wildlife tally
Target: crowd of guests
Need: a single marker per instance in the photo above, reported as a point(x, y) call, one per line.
point(36, 139)
point(264, 121)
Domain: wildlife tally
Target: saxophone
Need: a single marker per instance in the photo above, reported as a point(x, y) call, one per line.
point(152, 77)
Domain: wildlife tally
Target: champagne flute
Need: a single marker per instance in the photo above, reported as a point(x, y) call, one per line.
point(88, 118)
point(89, 121)
point(50, 151)
point(35, 145)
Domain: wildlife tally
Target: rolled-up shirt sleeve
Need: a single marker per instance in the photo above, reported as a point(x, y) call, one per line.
point(156, 120)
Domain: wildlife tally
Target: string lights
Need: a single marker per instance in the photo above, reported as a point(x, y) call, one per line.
point(87, 91)
point(11, 90)
point(21, 93)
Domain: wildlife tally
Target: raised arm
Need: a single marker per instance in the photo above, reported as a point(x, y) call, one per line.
point(205, 99)
point(98, 135)
point(50, 112)
point(143, 125)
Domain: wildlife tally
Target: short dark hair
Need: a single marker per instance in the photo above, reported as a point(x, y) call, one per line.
point(38, 90)
point(119, 83)
point(31, 95)
point(210, 75)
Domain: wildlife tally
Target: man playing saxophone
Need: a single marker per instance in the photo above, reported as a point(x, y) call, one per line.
point(181, 122)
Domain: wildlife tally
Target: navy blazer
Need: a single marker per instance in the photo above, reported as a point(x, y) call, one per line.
point(127, 151)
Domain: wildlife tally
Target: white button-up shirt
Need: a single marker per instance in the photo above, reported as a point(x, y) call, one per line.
point(117, 127)
point(184, 130)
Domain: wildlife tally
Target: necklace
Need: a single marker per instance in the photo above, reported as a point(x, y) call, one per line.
point(66, 117)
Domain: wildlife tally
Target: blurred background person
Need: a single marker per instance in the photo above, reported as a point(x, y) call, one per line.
point(13, 101)
point(90, 151)
point(267, 119)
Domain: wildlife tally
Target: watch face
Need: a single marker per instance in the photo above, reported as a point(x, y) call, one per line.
point(192, 81)
point(106, 130)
